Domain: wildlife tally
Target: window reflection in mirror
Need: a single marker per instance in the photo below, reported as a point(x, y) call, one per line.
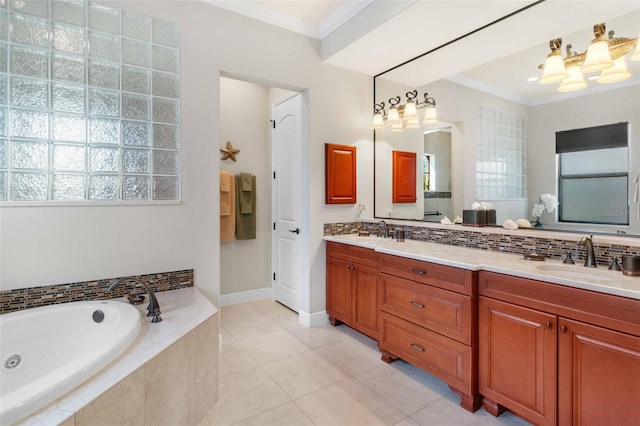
point(592, 181)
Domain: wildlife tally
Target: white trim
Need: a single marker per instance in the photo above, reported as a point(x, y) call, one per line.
point(269, 16)
point(317, 319)
point(245, 296)
point(339, 17)
point(492, 90)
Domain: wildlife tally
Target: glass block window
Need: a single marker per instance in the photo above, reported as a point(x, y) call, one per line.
point(89, 103)
point(501, 156)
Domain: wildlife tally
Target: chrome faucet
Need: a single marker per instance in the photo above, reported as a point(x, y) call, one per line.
point(385, 229)
point(590, 256)
point(153, 310)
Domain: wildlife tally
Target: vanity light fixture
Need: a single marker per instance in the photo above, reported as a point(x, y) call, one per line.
point(605, 54)
point(404, 116)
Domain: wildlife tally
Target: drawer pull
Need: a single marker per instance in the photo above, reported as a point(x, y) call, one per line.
point(417, 305)
point(547, 324)
point(417, 348)
point(418, 271)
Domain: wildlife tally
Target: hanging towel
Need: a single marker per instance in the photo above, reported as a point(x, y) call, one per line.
point(225, 194)
point(228, 222)
point(245, 222)
point(246, 189)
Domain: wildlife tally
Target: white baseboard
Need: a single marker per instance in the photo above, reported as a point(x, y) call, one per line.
point(317, 319)
point(245, 296)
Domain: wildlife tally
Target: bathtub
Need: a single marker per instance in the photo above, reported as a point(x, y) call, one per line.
point(47, 351)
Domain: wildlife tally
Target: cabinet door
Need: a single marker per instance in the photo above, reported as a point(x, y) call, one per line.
point(404, 177)
point(339, 291)
point(517, 360)
point(598, 376)
point(340, 174)
point(365, 298)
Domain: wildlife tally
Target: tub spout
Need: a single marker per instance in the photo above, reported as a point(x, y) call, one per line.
point(153, 310)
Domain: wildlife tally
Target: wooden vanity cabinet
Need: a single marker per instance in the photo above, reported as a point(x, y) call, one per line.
point(517, 360)
point(428, 318)
point(554, 354)
point(598, 375)
point(352, 287)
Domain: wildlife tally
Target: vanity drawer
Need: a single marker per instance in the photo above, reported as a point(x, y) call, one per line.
point(442, 311)
point(351, 253)
point(446, 277)
point(438, 355)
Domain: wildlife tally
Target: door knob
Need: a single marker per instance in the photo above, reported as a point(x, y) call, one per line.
point(295, 231)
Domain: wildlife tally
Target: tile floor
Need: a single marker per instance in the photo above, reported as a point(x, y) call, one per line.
point(276, 372)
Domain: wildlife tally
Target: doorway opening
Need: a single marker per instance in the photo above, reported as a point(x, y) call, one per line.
point(274, 263)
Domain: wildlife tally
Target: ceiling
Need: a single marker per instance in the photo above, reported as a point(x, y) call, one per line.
point(372, 36)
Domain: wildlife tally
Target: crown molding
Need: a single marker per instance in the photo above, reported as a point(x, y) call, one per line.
point(492, 90)
point(341, 15)
point(332, 22)
point(269, 16)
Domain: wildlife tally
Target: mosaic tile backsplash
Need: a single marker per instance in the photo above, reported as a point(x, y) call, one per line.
point(518, 244)
point(24, 298)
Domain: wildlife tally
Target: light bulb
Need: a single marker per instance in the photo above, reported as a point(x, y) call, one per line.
point(430, 115)
point(553, 69)
point(574, 81)
point(617, 72)
point(598, 56)
point(378, 121)
point(412, 123)
point(393, 116)
point(410, 111)
point(397, 127)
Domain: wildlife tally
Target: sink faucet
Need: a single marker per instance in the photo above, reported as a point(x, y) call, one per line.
point(153, 310)
point(382, 225)
point(590, 257)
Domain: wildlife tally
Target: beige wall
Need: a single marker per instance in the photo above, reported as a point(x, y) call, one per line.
point(49, 245)
point(244, 120)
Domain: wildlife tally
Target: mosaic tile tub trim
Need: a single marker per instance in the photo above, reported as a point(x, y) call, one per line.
point(551, 247)
point(31, 297)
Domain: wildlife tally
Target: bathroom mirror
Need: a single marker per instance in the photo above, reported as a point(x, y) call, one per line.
point(490, 74)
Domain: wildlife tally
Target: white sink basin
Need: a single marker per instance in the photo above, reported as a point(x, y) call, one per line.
point(579, 273)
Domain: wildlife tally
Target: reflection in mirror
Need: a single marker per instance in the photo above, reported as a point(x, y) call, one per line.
point(436, 172)
point(498, 82)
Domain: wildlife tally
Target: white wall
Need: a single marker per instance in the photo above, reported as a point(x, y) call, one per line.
point(244, 120)
point(58, 244)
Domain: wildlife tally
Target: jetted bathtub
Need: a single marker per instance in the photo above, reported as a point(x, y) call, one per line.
point(45, 352)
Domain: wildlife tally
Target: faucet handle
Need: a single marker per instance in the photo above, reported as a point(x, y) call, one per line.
point(614, 265)
point(568, 258)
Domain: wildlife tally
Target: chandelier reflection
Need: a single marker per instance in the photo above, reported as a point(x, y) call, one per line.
point(404, 116)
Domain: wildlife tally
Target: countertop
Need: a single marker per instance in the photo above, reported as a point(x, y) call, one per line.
point(596, 279)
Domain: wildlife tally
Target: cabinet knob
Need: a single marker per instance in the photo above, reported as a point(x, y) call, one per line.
point(563, 329)
point(418, 271)
point(417, 348)
point(548, 324)
point(417, 305)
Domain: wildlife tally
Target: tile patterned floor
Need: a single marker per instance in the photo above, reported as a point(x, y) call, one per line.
point(275, 372)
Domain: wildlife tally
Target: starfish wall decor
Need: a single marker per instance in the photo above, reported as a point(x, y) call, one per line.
point(229, 152)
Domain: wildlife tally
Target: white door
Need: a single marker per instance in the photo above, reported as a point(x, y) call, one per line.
point(286, 148)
